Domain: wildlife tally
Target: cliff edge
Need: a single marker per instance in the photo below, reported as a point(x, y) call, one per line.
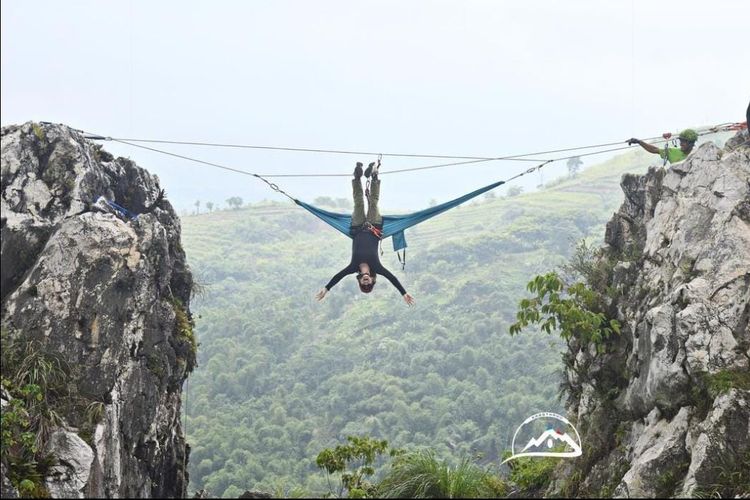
point(665, 410)
point(97, 332)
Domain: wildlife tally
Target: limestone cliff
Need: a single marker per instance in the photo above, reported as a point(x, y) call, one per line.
point(665, 411)
point(100, 302)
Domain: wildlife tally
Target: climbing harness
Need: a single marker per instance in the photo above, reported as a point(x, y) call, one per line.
point(374, 230)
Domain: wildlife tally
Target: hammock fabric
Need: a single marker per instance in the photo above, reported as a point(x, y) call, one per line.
point(394, 225)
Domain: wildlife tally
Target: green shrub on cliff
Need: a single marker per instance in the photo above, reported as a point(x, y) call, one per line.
point(36, 382)
point(572, 311)
point(184, 333)
point(353, 463)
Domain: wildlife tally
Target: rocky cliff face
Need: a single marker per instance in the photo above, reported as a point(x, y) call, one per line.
point(666, 410)
point(103, 299)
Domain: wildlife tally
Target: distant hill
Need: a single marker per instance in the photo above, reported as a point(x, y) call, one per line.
point(281, 376)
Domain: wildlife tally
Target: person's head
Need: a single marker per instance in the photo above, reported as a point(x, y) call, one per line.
point(687, 140)
point(366, 281)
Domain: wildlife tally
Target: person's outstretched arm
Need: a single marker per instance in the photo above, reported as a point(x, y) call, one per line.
point(351, 268)
point(648, 147)
point(396, 283)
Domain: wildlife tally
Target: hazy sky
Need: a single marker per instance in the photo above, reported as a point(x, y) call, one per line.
point(475, 78)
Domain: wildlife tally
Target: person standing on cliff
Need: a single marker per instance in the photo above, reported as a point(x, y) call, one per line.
point(672, 155)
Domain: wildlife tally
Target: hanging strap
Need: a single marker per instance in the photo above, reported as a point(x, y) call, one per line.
point(402, 261)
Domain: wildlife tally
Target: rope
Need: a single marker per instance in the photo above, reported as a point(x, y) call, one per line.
point(442, 165)
point(704, 131)
point(264, 177)
point(351, 152)
point(414, 169)
point(528, 171)
point(216, 165)
point(429, 167)
point(276, 188)
point(472, 160)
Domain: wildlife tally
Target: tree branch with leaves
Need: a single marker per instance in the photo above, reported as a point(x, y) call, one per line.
point(572, 311)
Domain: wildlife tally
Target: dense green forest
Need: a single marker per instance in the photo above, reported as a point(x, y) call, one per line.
point(282, 377)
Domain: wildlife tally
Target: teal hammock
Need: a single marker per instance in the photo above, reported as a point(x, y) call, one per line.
point(394, 225)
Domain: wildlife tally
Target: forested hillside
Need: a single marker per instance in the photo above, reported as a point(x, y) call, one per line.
point(282, 376)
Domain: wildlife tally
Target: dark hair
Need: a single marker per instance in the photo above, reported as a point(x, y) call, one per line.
point(367, 288)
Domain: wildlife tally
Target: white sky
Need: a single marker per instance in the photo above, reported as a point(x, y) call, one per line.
point(477, 78)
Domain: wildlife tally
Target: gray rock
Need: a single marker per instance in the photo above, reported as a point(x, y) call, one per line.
point(6, 488)
point(741, 139)
point(106, 293)
point(723, 435)
point(680, 252)
point(69, 477)
point(658, 447)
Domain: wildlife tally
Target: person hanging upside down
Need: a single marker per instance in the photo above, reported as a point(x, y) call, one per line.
point(366, 230)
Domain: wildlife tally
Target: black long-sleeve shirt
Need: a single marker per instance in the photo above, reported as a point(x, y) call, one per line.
point(365, 250)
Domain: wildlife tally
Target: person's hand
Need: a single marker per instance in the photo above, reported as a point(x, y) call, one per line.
point(322, 293)
point(633, 141)
point(409, 299)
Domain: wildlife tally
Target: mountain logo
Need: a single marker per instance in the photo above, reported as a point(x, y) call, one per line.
point(546, 437)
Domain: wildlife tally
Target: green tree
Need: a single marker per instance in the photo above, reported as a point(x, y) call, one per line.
point(572, 311)
point(234, 202)
point(574, 165)
point(232, 491)
point(354, 462)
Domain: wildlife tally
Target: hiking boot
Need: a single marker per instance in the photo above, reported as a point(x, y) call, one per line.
point(358, 170)
point(372, 170)
point(368, 172)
